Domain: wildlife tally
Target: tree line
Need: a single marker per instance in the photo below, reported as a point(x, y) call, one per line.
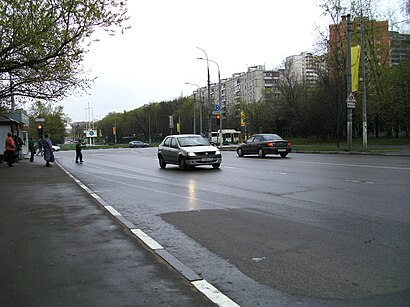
point(297, 111)
point(43, 47)
point(295, 108)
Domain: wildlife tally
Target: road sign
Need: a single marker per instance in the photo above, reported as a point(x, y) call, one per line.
point(216, 112)
point(216, 107)
point(171, 121)
point(91, 133)
point(351, 101)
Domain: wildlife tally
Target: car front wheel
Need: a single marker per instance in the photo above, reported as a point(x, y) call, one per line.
point(182, 163)
point(239, 152)
point(216, 166)
point(261, 154)
point(161, 161)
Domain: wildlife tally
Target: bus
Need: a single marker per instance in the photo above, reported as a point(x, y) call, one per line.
point(229, 136)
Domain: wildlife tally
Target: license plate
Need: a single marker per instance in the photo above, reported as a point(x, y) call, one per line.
point(281, 150)
point(207, 159)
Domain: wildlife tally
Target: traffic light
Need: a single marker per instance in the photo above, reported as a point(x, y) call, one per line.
point(40, 130)
point(218, 120)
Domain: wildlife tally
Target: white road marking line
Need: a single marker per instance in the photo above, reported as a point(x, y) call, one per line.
point(352, 180)
point(150, 242)
point(214, 294)
point(358, 181)
point(222, 205)
point(357, 165)
point(95, 196)
point(112, 210)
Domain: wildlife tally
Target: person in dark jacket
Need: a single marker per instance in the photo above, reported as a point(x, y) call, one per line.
point(78, 153)
point(31, 148)
point(48, 150)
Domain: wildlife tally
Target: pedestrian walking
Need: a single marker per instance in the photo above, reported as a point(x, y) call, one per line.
point(48, 150)
point(10, 149)
point(78, 153)
point(19, 148)
point(40, 147)
point(31, 148)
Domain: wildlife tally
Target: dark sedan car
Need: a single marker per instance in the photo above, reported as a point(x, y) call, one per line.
point(137, 144)
point(264, 144)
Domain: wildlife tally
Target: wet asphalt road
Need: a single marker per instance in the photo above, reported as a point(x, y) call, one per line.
point(309, 229)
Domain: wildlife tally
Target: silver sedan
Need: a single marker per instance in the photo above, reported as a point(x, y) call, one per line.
point(188, 150)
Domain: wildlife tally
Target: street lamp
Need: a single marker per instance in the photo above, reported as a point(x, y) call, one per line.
point(200, 108)
point(209, 98)
point(219, 98)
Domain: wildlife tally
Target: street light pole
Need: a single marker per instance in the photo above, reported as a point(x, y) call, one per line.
point(200, 108)
point(209, 98)
point(220, 101)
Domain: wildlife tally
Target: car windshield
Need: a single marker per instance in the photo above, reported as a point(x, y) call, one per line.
point(269, 137)
point(192, 141)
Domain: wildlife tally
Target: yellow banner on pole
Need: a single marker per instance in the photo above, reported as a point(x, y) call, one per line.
point(355, 57)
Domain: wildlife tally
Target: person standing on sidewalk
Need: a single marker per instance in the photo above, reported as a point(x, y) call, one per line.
point(48, 150)
point(10, 149)
point(78, 153)
point(31, 148)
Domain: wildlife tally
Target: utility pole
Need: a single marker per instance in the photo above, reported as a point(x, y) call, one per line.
point(149, 128)
point(349, 83)
point(209, 97)
point(200, 111)
point(194, 112)
point(363, 63)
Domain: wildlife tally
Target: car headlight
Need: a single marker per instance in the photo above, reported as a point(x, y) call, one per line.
point(217, 152)
point(191, 154)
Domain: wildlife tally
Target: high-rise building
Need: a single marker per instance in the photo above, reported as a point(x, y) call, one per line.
point(376, 35)
point(399, 47)
point(249, 86)
point(304, 68)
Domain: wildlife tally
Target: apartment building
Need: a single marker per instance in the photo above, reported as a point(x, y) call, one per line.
point(304, 68)
point(249, 86)
point(399, 47)
point(377, 39)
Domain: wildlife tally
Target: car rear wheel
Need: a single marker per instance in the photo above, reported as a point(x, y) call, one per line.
point(261, 154)
point(162, 163)
point(239, 152)
point(217, 165)
point(283, 155)
point(182, 163)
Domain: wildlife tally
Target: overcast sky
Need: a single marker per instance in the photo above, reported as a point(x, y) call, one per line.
point(152, 61)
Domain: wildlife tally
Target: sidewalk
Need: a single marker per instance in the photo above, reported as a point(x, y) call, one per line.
point(59, 247)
